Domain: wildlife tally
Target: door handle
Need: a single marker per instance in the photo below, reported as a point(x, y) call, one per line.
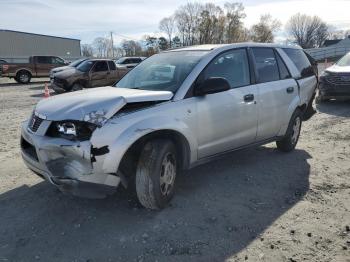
point(248, 98)
point(290, 89)
point(108, 73)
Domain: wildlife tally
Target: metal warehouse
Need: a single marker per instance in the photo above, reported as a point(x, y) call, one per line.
point(18, 46)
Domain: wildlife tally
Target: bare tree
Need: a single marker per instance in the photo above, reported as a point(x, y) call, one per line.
point(87, 50)
point(131, 48)
point(307, 31)
point(167, 25)
point(263, 31)
point(187, 20)
point(234, 25)
point(101, 45)
point(211, 24)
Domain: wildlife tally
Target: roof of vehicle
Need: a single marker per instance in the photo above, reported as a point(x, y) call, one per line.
point(99, 59)
point(127, 57)
point(226, 46)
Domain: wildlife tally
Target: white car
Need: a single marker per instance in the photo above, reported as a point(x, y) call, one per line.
point(175, 110)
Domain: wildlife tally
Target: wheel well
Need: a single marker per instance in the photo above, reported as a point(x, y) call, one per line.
point(302, 108)
point(129, 161)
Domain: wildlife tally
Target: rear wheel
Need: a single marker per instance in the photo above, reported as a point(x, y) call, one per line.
point(23, 77)
point(156, 174)
point(291, 138)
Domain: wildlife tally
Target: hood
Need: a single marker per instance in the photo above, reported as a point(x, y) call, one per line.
point(338, 69)
point(59, 69)
point(68, 72)
point(95, 105)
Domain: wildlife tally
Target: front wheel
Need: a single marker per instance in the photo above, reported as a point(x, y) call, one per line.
point(290, 140)
point(156, 174)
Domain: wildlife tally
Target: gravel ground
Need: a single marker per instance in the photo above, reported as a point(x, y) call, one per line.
point(254, 205)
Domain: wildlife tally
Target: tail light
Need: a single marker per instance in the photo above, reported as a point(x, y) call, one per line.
point(5, 67)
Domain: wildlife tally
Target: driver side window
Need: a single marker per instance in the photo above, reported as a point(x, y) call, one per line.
point(232, 65)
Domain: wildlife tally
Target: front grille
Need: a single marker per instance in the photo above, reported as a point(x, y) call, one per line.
point(338, 78)
point(59, 82)
point(35, 122)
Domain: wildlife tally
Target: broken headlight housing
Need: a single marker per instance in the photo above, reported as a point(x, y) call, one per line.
point(72, 130)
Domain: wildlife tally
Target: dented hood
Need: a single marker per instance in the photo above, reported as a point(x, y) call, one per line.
point(91, 104)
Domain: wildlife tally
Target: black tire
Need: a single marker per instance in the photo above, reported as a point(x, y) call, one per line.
point(290, 140)
point(156, 173)
point(76, 87)
point(23, 77)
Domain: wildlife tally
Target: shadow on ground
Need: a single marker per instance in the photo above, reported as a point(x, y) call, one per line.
point(219, 208)
point(334, 107)
point(7, 84)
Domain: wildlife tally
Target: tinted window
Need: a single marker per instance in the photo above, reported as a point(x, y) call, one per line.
point(101, 66)
point(266, 65)
point(136, 60)
point(233, 66)
point(301, 61)
point(284, 73)
point(85, 66)
point(44, 59)
point(111, 65)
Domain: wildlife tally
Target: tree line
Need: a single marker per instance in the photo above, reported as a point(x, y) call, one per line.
point(197, 23)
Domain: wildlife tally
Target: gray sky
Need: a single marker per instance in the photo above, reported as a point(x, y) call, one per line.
point(131, 19)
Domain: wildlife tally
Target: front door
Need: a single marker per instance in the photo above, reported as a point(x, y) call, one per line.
point(99, 75)
point(227, 120)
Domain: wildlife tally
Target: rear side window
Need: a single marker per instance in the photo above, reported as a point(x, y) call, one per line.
point(284, 73)
point(136, 60)
point(111, 65)
point(44, 59)
point(266, 65)
point(232, 65)
point(301, 61)
point(101, 66)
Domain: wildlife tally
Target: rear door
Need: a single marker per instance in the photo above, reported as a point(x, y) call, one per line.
point(276, 91)
point(99, 74)
point(307, 79)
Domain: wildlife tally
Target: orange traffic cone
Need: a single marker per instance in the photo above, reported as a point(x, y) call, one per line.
point(47, 91)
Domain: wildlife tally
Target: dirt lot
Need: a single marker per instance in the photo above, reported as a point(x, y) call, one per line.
point(253, 205)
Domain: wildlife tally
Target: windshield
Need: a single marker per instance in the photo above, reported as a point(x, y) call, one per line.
point(162, 72)
point(344, 61)
point(85, 66)
point(76, 62)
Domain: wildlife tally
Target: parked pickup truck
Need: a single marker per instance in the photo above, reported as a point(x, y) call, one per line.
point(90, 73)
point(37, 66)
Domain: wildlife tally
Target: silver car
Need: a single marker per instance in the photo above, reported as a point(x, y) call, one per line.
point(173, 111)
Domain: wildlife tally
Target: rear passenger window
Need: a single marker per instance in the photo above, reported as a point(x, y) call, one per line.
point(112, 65)
point(266, 65)
point(301, 61)
point(232, 65)
point(284, 73)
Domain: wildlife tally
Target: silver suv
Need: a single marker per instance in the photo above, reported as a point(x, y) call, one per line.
point(173, 111)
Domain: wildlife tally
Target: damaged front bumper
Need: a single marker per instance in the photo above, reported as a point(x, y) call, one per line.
point(72, 166)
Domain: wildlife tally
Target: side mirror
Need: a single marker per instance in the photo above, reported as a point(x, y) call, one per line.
point(212, 85)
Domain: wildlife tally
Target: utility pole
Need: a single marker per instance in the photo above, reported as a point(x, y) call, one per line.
point(112, 44)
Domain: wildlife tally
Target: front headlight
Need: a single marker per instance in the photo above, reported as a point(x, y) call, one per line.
point(72, 130)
